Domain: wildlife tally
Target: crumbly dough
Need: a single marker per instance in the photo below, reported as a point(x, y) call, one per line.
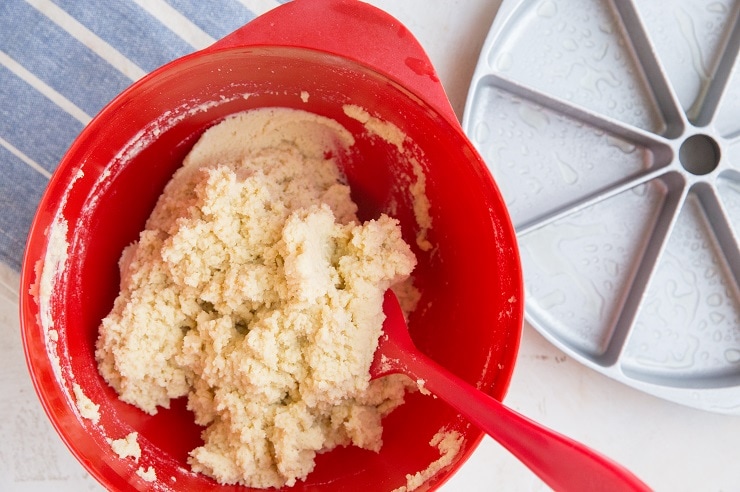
point(448, 443)
point(85, 405)
point(148, 474)
point(127, 447)
point(255, 291)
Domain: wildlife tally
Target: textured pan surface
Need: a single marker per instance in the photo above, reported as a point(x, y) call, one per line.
point(613, 131)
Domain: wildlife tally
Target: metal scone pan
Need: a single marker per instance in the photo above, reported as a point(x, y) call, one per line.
point(613, 131)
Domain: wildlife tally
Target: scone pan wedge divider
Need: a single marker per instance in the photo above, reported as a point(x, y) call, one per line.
point(613, 131)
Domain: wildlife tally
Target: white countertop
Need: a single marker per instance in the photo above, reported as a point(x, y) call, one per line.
point(671, 447)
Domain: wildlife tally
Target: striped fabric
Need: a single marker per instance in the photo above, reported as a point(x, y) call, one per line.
point(61, 61)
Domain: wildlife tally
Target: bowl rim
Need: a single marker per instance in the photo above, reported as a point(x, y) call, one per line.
point(53, 398)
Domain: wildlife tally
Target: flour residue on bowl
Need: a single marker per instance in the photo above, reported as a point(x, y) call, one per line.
point(393, 135)
point(50, 271)
point(421, 205)
point(449, 444)
point(256, 291)
point(383, 129)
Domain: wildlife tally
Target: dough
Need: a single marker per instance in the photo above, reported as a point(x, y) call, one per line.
point(254, 291)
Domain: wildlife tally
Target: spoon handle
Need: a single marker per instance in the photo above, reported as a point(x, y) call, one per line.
point(562, 463)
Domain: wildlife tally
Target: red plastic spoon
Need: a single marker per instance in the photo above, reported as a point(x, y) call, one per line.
point(563, 464)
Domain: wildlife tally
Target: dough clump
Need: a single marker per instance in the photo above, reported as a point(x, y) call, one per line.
point(255, 291)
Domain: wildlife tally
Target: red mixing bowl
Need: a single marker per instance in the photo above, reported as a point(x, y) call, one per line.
point(338, 52)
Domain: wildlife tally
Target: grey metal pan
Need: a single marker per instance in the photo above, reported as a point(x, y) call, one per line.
point(613, 131)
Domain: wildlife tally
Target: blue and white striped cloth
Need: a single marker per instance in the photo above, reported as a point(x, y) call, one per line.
point(61, 61)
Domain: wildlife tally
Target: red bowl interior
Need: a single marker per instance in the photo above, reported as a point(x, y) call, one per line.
point(469, 318)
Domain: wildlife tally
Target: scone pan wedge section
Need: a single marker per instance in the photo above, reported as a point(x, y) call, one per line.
point(613, 131)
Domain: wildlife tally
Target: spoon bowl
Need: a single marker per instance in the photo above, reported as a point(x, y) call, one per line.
point(562, 463)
